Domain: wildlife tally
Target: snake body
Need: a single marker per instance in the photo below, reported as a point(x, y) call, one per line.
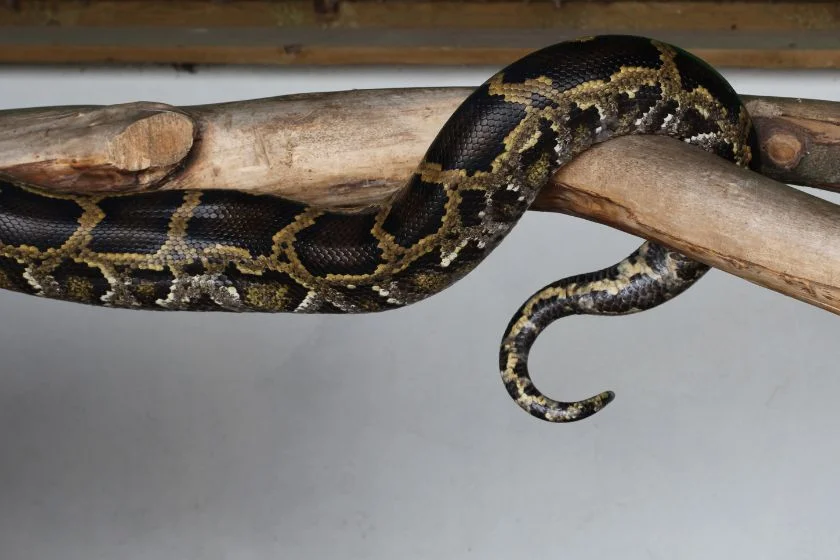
point(231, 251)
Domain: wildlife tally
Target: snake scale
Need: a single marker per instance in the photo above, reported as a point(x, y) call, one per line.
point(232, 251)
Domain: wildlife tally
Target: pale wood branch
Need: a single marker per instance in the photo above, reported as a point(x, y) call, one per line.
point(135, 145)
point(317, 147)
point(354, 148)
point(730, 218)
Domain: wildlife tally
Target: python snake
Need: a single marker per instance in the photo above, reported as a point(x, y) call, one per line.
point(232, 251)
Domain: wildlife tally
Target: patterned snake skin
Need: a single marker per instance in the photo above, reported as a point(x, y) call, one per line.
point(226, 250)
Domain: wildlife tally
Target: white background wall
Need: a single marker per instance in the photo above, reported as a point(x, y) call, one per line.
point(134, 435)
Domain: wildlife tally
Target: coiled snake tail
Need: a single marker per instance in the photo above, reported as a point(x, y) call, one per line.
point(650, 276)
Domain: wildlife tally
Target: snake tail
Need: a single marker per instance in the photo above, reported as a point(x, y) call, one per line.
point(650, 276)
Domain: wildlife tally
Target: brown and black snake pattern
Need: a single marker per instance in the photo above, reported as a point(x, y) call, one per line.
point(226, 250)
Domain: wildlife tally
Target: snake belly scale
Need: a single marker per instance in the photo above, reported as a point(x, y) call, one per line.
point(232, 251)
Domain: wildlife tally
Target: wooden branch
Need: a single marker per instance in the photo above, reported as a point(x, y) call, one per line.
point(134, 145)
point(353, 148)
point(730, 218)
point(800, 140)
point(318, 147)
point(757, 33)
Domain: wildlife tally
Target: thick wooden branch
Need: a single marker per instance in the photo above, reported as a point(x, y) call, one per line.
point(354, 148)
point(730, 218)
point(317, 147)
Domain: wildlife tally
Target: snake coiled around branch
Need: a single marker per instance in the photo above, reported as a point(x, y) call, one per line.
point(231, 251)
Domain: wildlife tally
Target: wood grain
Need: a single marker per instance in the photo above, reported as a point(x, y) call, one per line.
point(765, 34)
point(119, 147)
point(439, 14)
point(330, 55)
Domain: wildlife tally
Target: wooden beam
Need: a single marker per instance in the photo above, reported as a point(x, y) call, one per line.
point(746, 33)
point(328, 48)
point(581, 15)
